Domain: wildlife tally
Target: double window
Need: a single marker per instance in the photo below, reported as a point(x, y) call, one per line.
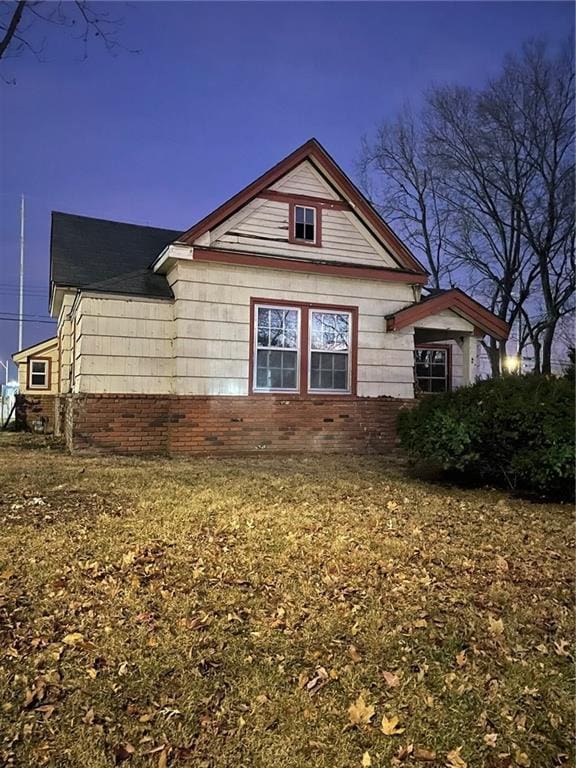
point(38, 373)
point(302, 348)
point(432, 369)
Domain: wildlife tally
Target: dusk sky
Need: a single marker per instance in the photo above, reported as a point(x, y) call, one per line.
point(218, 93)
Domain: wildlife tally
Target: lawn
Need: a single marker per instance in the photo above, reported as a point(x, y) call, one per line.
point(273, 611)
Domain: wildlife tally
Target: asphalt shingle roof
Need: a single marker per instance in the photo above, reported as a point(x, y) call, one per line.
point(109, 256)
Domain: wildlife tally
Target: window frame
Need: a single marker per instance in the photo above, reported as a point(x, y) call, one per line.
point(303, 360)
point(348, 353)
point(255, 348)
point(435, 348)
point(317, 242)
point(47, 372)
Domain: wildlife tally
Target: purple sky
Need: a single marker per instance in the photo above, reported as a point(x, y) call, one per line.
point(219, 93)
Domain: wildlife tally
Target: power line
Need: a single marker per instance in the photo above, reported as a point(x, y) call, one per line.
point(16, 320)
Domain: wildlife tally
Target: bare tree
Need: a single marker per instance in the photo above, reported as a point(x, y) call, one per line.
point(540, 91)
point(496, 167)
point(482, 178)
point(401, 183)
point(23, 22)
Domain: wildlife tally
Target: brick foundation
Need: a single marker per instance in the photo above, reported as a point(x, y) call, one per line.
point(36, 413)
point(218, 425)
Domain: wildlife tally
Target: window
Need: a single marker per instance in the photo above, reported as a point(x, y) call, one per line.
point(302, 348)
point(329, 350)
point(305, 224)
point(277, 348)
point(38, 371)
point(432, 369)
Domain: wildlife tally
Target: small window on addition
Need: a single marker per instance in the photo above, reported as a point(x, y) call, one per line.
point(432, 369)
point(305, 223)
point(38, 374)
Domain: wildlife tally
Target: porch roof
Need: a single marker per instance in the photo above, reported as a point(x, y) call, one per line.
point(484, 321)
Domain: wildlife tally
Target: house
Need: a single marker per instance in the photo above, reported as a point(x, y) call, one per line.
point(291, 318)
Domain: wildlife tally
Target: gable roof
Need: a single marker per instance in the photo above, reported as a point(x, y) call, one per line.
point(40, 346)
point(455, 300)
point(111, 256)
point(313, 151)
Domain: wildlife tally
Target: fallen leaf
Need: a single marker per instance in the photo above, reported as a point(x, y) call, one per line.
point(495, 626)
point(455, 760)
point(420, 624)
point(88, 717)
point(461, 658)
point(392, 680)
point(360, 713)
point(123, 752)
point(74, 638)
point(490, 739)
point(390, 726)
point(163, 759)
point(354, 655)
point(423, 754)
point(366, 760)
point(562, 648)
point(521, 758)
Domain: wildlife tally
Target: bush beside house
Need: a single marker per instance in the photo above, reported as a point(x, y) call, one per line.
point(517, 431)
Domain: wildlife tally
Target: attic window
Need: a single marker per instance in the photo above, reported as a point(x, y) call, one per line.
point(305, 224)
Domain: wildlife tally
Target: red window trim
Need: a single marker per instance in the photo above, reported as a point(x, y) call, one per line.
point(305, 308)
point(292, 224)
point(34, 359)
point(448, 350)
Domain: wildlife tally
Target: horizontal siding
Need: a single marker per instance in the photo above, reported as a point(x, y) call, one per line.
point(65, 331)
point(126, 385)
point(446, 321)
point(122, 327)
point(52, 354)
point(305, 180)
point(202, 279)
point(265, 229)
point(212, 325)
point(124, 346)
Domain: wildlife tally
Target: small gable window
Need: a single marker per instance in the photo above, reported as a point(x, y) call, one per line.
point(38, 373)
point(304, 224)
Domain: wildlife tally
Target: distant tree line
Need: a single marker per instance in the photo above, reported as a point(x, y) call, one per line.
point(481, 183)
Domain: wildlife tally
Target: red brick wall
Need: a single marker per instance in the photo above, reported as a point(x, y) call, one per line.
point(267, 423)
point(33, 408)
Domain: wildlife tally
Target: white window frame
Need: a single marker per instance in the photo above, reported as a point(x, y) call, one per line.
point(348, 353)
point(286, 307)
point(315, 212)
point(46, 364)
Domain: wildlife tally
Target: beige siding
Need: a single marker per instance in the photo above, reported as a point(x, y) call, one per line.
point(23, 374)
point(212, 325)
point(124, 345)
point(446, 321)
point(262, 226)
point(458, 373)
point(65, 330)
point(305, 180)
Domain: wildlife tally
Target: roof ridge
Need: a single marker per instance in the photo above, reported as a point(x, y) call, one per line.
point(114, 221)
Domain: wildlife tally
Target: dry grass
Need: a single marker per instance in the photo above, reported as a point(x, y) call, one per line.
point(228, 612)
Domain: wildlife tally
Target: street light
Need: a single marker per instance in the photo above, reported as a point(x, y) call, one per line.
point(512, 363)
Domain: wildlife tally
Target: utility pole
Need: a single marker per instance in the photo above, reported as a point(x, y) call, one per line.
point(21, 302)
